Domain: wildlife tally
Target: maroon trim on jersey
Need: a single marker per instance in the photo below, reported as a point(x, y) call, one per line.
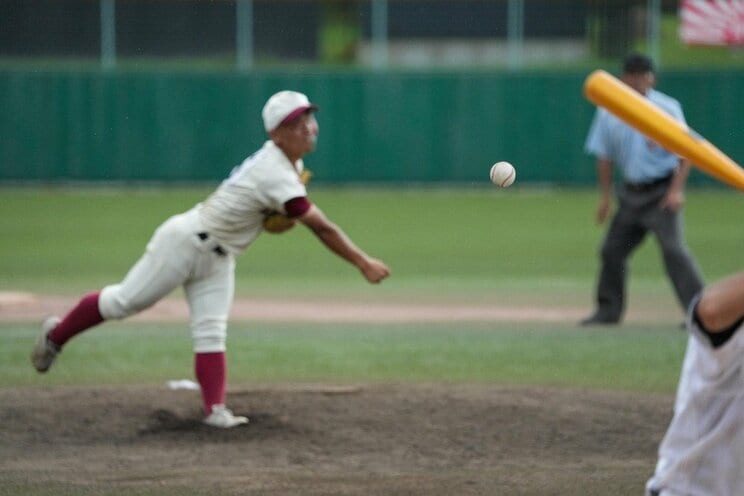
point(297, 206)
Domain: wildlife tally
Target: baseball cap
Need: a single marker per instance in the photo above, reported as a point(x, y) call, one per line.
point(283, 107)
point(636, 63)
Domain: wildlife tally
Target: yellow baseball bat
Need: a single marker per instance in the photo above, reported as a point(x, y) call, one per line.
point(605, 90)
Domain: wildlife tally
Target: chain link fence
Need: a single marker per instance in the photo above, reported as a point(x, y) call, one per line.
point(249, 34)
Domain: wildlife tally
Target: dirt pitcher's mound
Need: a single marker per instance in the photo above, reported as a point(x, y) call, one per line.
point(362, 440)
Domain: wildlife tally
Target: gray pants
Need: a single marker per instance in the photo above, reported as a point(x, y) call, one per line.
point(638, 213)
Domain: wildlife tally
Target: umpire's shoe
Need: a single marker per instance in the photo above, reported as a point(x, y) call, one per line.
point(45, 352)
point(597, 319)
point(223, 418)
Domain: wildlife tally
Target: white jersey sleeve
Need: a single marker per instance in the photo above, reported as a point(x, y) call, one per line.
point(703, 449)
point(261, 185)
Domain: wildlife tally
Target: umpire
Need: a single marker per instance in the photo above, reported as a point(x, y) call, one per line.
point(650, 198)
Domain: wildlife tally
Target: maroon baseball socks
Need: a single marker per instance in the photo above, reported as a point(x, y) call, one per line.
point(211, 370)
point(83, 316)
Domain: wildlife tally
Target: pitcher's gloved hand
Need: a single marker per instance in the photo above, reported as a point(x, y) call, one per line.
point(277, 223)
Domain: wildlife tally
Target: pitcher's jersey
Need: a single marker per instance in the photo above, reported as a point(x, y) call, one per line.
point(234, 213)
point(702, 452)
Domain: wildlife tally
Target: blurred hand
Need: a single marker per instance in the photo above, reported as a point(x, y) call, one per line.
point(374, 270)
point(673, 200)
point(603, 210)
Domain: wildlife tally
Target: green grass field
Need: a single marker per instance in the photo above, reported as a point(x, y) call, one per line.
point(460, 244)
point(463, 240)
point(636, 358)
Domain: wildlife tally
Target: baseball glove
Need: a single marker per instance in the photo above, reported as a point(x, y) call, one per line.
point(275, 222)
point(305, 176)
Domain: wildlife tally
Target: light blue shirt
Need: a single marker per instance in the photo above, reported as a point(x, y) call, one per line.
point(640, 159)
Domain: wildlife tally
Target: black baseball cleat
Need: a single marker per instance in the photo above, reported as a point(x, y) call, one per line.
point(598, 320)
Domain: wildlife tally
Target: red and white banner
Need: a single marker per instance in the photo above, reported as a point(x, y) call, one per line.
point(712, 22)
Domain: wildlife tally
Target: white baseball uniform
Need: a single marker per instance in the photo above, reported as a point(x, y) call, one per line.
point(702, 453)
point(196, 249)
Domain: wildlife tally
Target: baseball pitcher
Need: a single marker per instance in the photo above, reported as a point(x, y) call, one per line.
point(197, 250)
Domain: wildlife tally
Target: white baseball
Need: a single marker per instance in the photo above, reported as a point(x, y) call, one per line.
point(503, 174)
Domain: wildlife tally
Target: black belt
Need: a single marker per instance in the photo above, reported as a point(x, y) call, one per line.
point(217, 249)
point(641, 187)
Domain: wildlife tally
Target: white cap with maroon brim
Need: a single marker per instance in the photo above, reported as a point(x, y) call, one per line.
point(284, 107)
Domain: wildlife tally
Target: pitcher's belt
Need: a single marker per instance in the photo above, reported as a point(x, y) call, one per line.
point(217, 248)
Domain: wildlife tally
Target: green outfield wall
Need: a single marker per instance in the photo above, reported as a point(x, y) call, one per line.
point(387, 127)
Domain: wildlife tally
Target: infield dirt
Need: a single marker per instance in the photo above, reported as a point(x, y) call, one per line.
point(323, 440)
point(394, 439)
